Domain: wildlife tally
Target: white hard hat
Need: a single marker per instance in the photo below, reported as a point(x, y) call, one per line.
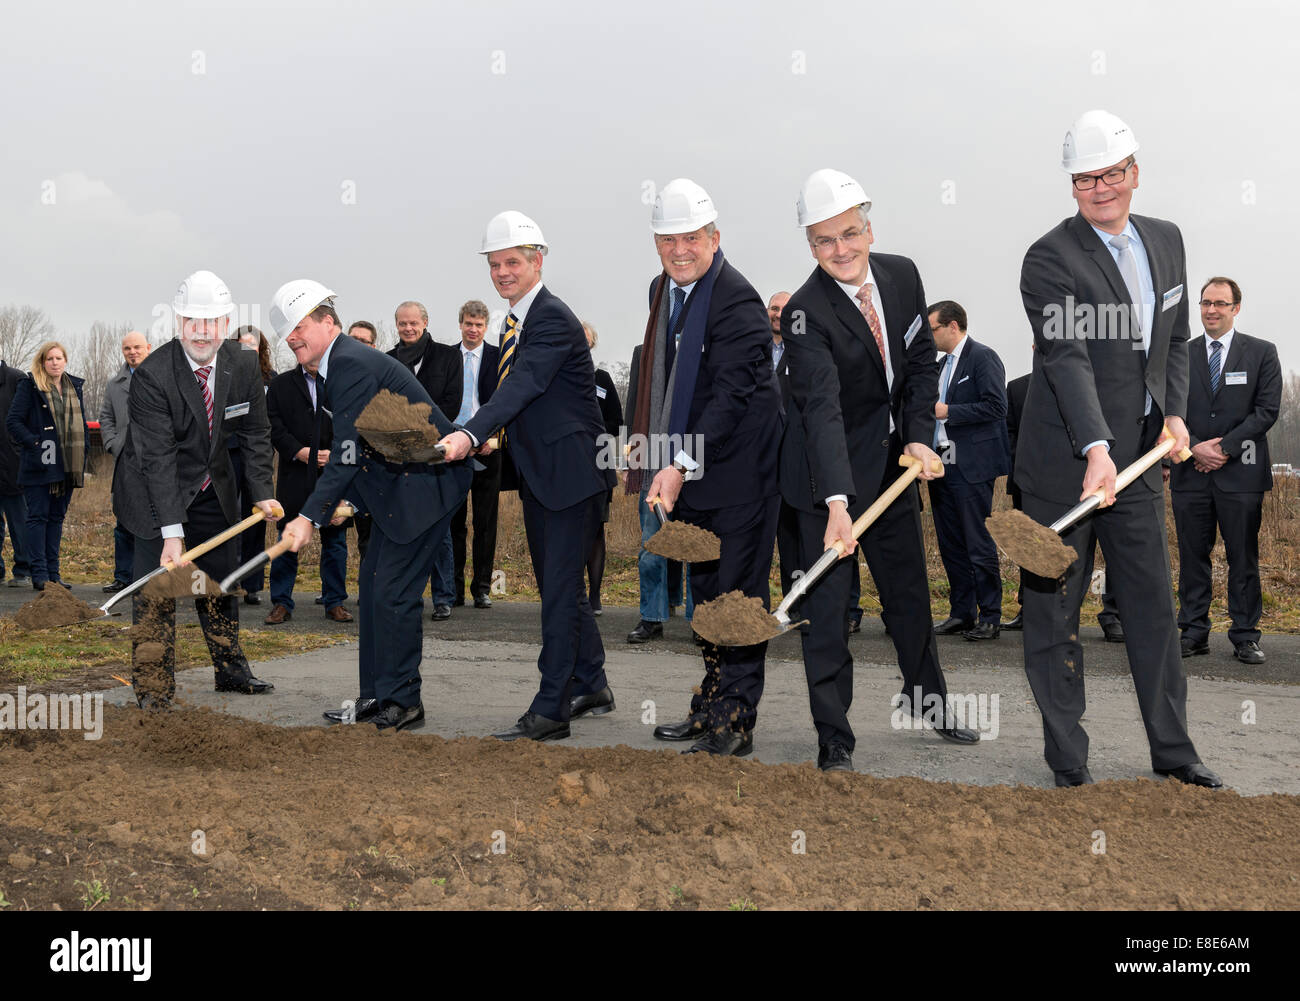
point(512, 229)
point(682, 206)
point(294, 300)
point(826, 194)
point(203, 296)
point(1097, 139)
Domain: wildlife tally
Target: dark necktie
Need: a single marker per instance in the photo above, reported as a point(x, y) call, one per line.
point(203, 374)
point(674, 335)
point(507, 358)
point(1216, 365)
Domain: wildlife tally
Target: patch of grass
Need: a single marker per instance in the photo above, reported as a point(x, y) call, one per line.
point(742, 905)
point(96, 893)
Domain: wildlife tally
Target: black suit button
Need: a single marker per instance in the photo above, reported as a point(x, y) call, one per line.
point(1212, 415)
point(884, 443)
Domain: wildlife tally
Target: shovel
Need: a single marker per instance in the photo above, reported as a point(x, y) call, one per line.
point(409, 445)
point(780, 621)
point(1038, 548)
point(657, 505)
point(279, 549)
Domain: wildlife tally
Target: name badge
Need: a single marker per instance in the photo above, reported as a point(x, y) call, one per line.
point(911, 332)
point(1234, 378)
point(600, 391)
point(1172, 298)
point(238, 410)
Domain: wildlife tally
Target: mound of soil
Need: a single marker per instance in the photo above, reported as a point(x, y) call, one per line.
point(1033, 546)
point(689, 543)
point(195, 809)
point(397, 428)
point(55, 606)
point(732, 619)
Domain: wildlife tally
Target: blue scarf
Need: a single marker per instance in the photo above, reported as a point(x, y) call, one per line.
point(691, 348)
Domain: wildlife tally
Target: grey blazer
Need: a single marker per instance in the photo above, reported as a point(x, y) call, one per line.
point(114, 415)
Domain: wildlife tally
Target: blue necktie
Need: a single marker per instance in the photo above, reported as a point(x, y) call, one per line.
point(467, 394)
point(674, 314)
point(939, 429)
point(1216, 363)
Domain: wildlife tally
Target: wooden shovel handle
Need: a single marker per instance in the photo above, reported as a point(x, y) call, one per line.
point(190, 555)
point(1130, 473)
point(878, 506)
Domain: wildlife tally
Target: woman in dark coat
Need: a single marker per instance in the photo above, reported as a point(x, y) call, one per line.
point(47, 420)
point(611, 412)
point(253, 540)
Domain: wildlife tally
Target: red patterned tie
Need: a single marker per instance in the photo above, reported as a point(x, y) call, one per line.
point(202, 375)
point(868, 309)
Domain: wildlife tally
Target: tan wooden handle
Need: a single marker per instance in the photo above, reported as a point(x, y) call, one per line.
point(279, 549)
point(1130, 473)
point(190, 555)
point(878, 506)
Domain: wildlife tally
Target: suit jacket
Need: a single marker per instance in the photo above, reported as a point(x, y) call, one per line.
point(782, 373)
point(977, 410)
point(736, 409)
point(31, 425)
point(115, 414)
point(9, 379)
point(1236, 413)
point(1089, 387)
point(840, 441)
point(295, 425)
point(547, 405)
point(168, 451)
point(403, 501)
point(441, 375)
point(1016, 390)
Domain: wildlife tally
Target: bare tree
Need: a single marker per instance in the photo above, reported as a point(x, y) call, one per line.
point(22, 330)
point(1284, 438)
point(97, 358)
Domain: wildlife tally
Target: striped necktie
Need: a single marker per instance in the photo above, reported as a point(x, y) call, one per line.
point(202, 374)
point(507, 358)
point(1216, 365)
point(868, 309)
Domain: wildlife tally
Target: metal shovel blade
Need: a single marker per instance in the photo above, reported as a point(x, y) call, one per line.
point(407, 445)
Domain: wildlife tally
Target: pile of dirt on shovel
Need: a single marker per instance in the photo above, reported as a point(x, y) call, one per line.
point(1033, 546)
point(397, 428)
point(732, 619)
point(182, 582)
point(55, 606)
point(689, 543)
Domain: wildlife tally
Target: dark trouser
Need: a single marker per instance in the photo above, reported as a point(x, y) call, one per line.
point(252, 540)
point(787, 545)
point(970, 557)
point(895, 555)
point(1198, 513)
point(595, 550)
point(361, 523)
point(390, 607)
point(153, 666)
point(333, 569)
point(733, 675)
point(441, 587)
point(484, 491)
point(1132, 537)
point(1109, 614)
point(572, 661)
point(123, 555)
point(45, 529)
point(13, 509)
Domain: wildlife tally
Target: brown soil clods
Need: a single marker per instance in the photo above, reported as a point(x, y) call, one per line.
point(55, 606)
point(689, 543)
point(732, 619)
point(1033, 546)
point(181, 582)
point(397, 428)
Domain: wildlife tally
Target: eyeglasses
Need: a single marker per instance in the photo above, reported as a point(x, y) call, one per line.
point(1216, 303)
point(1087, 182)
point(827, 242)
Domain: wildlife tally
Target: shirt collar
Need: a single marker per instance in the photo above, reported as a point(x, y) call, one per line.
point(1128, 231)
point(520, 309)
point(323, 369)
point(1225, 340)
point(956, 352)
point(852, 290)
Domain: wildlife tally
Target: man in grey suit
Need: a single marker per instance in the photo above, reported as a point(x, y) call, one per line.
point(114, 418)
point(1105, 293)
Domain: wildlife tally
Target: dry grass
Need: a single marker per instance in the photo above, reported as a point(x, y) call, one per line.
point(88, 554)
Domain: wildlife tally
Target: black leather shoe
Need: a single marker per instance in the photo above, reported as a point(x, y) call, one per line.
point(395, 717)
point(1074, 777)
point(690, 729)
point(952, 625)
point(646, 631)
point(1113, 632)
point(595, 704)
point(834, 758)
point(533, 727)
point(459, 602)
point(1194, 774)
point(724, 743)
point(114, 587)
point(252, 598)
point(61, 582)
point(1249, 653)
point(1193, 649)
point(957, 734)
point(362, 712)
point(320, 599)
point(441, 612)
point(482, 601)
point(244, 686)
point(1016, 624)
point(983, 631)
point(38, 585)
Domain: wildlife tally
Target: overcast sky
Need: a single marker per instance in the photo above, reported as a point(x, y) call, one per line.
point(367, 144)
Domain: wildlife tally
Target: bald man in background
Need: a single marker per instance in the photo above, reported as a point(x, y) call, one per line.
point(114, 416)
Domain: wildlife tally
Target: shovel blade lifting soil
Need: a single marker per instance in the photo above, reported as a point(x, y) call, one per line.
point(677, 540)
point(399, 430)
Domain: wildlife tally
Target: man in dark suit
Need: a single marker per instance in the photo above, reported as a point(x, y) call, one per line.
point(1105, 295)
point(1233, 398)
point(438, 367)
point(13, 505)
point(175, 485)
point(971, 436)
point(302, 433)
point(114, 418)
point(710, 409)
point(410, 503)
point(862, 376)
point(787, 521)
point(545, 399)
point(479, 368)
